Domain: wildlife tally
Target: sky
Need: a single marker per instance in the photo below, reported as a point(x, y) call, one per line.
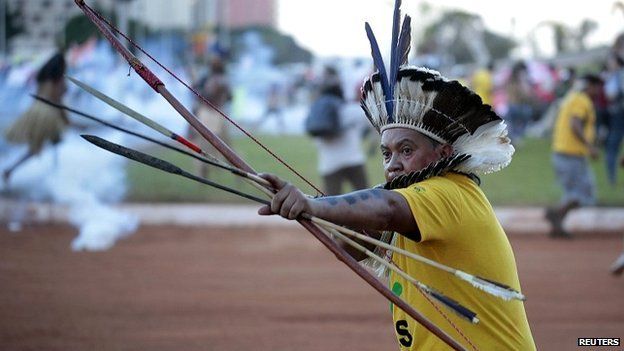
point(336, 27)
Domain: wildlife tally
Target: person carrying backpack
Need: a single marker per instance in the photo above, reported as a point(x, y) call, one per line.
point(335, 126)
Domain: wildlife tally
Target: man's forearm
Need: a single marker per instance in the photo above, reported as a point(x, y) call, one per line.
point(375, 209)
point(364, 209)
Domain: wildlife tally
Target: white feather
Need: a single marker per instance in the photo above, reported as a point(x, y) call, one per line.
point(489, 147)
point(492, 289)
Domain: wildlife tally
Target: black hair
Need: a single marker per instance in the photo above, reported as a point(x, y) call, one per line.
point(333, 89)
point(517, 68)
point(618, 60)
point(217, 66)
point(53, 69)
point(592, 78)
point(331, 71)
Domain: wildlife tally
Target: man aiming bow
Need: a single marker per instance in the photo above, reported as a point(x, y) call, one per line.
point(436, 137)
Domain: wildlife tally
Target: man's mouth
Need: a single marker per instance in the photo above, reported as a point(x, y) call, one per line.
point(392, 176)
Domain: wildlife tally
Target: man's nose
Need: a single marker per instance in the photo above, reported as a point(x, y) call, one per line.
point(394, 165)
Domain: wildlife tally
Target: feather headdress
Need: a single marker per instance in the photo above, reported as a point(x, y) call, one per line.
point(444, 110)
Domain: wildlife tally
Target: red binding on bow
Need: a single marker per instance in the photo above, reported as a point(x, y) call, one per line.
point(153, 81)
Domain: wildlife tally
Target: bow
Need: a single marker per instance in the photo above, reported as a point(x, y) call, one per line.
point(153, 81)
point(494, 288)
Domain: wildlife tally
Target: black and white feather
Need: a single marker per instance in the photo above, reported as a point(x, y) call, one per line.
point(444, 110)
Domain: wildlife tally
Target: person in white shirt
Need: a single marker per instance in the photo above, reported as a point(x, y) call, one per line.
point(340, 158)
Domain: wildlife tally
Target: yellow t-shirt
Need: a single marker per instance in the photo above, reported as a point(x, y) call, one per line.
point(575, 105)
point(482, 85)
point(459, 229)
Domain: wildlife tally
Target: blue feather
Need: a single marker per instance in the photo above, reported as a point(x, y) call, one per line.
point(394, 59)
point(405, 42)
point(381, 68)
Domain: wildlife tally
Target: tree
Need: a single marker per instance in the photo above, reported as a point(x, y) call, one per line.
point(79, 28)
point(285, 49)
point(585, 29)
point(462, 38)
point(567, 38)
point(12, 20)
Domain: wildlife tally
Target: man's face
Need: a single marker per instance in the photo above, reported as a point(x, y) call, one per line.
point(405, 150)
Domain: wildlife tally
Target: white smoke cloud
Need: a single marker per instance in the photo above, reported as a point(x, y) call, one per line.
point(87, 180)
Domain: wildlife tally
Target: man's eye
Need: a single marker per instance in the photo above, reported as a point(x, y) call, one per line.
point(406, 151)
point(386, 155)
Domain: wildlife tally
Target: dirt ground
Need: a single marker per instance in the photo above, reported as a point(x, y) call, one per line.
point(172, 288)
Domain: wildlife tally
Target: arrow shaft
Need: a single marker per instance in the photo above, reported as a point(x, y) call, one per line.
point(211, 160)
point(122, 108)
point(163, 165)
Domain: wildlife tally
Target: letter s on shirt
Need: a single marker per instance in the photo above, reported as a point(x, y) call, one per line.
point(405, 338)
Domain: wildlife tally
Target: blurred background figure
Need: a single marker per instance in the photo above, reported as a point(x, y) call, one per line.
point(617, 268)
point(41, 123)
point(330, 77)
point(567, 79)
point(561, 80)
point(274, 106)
point(519, 99)
point(618, 265)
point(614, 90)
point(216, 89)
point(483, 84)
point(340, 156)
point(573, 143)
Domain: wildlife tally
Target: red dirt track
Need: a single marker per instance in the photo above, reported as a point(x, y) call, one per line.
point(172, 288)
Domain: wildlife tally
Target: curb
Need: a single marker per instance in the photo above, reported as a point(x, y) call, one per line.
point(526, 220)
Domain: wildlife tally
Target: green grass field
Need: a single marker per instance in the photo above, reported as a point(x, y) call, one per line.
point(529, 180)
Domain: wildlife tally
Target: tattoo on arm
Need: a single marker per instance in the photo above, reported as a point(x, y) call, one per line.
point(332, 200)
point(352, 198)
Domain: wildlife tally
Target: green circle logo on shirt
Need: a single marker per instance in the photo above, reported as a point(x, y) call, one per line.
point(418, 189)
point(397, 288)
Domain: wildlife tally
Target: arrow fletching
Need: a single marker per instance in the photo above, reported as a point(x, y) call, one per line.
point(123, 108)
point(493, 288)
point(451, 304)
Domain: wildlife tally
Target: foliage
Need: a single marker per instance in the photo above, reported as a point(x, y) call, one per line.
point(12, 21)
point(286, 50)
point(79, 28)
point(447, 36)
point(569, 38)
point(499, 45)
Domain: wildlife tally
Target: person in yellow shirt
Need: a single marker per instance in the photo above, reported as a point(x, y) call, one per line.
point(483, 84)
point(572, 145)
point(437, 136)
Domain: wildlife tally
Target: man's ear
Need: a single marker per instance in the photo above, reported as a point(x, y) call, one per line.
point(446, 150)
